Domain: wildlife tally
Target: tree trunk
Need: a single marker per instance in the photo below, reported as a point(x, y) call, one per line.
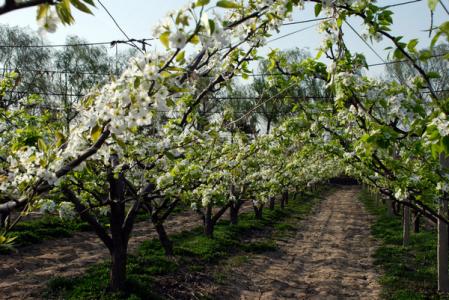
point(405, 224)
point(282, 202)
point(258, 212)
point(118, 268)
point(3, 219)
point(119, 249)
point(389, 206)
point(272, 203)
point(119, 234)
point(268, 126)
point(286, 195)
point(208, 224)
point(234, 213)
point(396, 208)
point(443, 248)
point(166, 243)
point(416, 222)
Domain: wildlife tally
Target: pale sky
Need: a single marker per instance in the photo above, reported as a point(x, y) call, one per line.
point(137, 17)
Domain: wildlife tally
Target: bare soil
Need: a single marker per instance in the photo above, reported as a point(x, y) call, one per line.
point(24, 274)
point(330, 257)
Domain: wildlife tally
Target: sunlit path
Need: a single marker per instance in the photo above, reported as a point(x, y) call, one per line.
point(329, 258)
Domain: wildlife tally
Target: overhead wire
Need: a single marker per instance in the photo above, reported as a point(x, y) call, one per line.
point(291, 33)
point(111, 43)
point(47, 71)
point(118, 26)
point(149, 39)
point(365, 42)
point(305, 21)
point(444, 7)
point(401, 4)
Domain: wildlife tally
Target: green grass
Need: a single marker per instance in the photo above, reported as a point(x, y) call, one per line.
point(47, 227)
point(194, 254)
point(50, 227)
point(408, 272)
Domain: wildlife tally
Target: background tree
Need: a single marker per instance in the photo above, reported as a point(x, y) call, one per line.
point(433, 62)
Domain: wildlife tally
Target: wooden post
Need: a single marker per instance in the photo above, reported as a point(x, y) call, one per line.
point(405, 224)
point(443, 248)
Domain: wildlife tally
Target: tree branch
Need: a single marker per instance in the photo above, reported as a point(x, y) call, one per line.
point(11, 5)
point(87, 217)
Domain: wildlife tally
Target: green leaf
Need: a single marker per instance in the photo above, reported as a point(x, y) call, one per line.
point(136, 82)
point(318, 8)
point(424, 55)
point(42, 11)
point(181, 55)
point(227, 4)
point(445, 144)
point(411, 46)
point(195, 39)
point(432, 75)
point(81, 6)
point(398, 54)
point(41, 145)
point(211, 26)
point(436, 150)
point(165, 39)
point(435, 39)
point(201, 2)
point(95, 133)
point(339, 21)
point(60, 139)
point(64, 12)
point(432, 4)
point(90, 2)
point(170, 155)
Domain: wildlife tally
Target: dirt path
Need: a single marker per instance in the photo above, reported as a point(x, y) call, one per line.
point(24, 274)
point(329, 258)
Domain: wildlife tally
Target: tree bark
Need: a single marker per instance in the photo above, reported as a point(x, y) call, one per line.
point(234, 212)
point(443, 248)
point(208, 224)
point(118, 268)
point(166, 243)
point(119, 249)
point(258, 212)
point(405, 225)
point(272, 203)
point(121, 225)
point(282, 202)
point(119, 233)
point(3, 219)
point(416, 222)
point(268, 125)
point(158, 217)
point(286, 196)
point(396, 208)
point(211, 220)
